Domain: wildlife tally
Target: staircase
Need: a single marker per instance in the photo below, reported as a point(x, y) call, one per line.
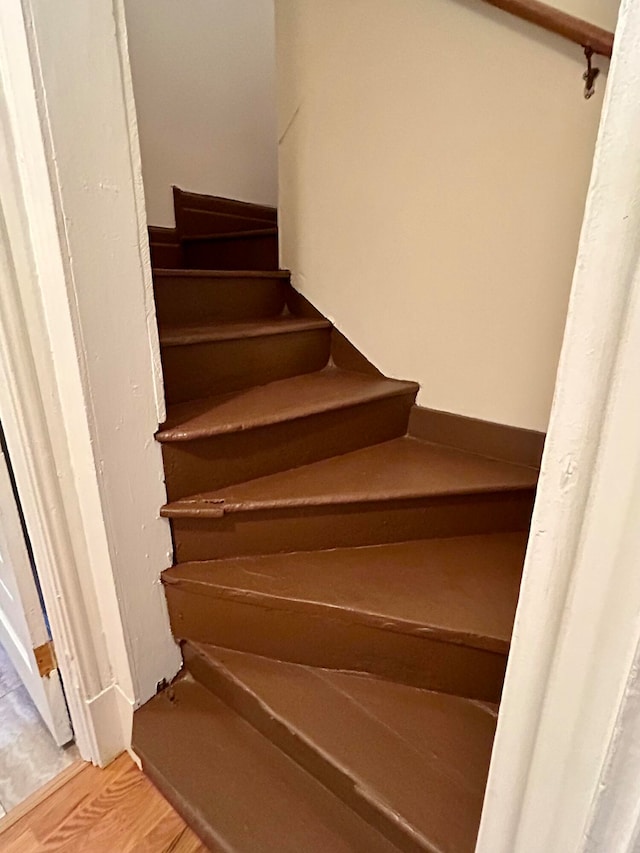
point(344, 591)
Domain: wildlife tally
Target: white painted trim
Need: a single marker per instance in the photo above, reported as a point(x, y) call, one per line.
point(23, 627)
point(140, 209)
point(40, 479)
point(77, 297)
point(569, 724)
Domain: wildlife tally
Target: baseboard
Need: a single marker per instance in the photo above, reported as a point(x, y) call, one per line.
point(498, 441)
point(111, 715)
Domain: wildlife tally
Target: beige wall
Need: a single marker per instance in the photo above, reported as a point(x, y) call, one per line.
point(603, 13)
point(434, 163)
point(204, 85)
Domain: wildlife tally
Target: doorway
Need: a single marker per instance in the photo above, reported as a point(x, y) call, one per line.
point(36, 738)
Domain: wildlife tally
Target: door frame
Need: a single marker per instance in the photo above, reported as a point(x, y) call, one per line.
point(568, 741)
point(24, 632)
point(88, 472)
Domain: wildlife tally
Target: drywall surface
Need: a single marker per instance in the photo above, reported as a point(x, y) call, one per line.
point(434, 161)
point(204, 85)
point(101, 337)
point(602, 13)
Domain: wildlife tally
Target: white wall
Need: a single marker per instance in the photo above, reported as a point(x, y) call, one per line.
point(434, 162)
point(204, 84)
point(83, 360)
point(566, 759)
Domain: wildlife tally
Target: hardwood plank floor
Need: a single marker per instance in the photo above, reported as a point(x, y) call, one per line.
point(115, 810)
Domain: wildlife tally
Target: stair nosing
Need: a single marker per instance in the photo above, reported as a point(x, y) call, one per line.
point(269, 215)
point(264, 716)
point(241, 216)
point(393, 388)
point(188, 506)
point(171, 272)
point(232, 331)
point(231, 235)
point(196, 813)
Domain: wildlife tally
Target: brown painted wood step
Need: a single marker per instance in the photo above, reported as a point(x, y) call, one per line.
point(218, 358)
point(394, 491)
point(411, 762)
point(275, 403)
point(175, 336)
point(168, 255)
point(193, 222)
point(163, 234)
point(201, 201)
point(164, 247)
point(261, 430)
point(402, 469)
point(251, 250)
point(433, 613)
point(234, 787)
point(200, 296)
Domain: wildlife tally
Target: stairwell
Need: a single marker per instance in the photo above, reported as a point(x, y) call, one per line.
point(344, 590)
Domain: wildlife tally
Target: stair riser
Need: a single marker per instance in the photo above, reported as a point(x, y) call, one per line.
point(192, 222)
point(165, 255)
point(212, 463)
point(183, 300)
point(238, 253)
point(201, 370)
point(273, 532)
point(332, 776)
point(175, 797)
point(270, 630)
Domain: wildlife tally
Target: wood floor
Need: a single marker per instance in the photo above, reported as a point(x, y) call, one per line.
point(116, 810)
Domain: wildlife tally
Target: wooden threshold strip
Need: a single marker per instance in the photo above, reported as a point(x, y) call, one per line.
point(568, 26)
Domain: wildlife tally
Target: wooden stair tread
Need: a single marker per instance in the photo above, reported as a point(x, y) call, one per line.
point(206, 203)
point(253, 234)
point(162, 234)
point(402, 469)
point(210, 332)
point(194, 220)
point(463, 589)
point(160, 272)
point(277, 402)
point(340, 699)
point(234, 787)
point(414, 759)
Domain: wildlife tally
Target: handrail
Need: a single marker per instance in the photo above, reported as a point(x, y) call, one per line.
point(575, 29)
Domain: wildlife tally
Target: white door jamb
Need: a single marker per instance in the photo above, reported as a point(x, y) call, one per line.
point(568, 738)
